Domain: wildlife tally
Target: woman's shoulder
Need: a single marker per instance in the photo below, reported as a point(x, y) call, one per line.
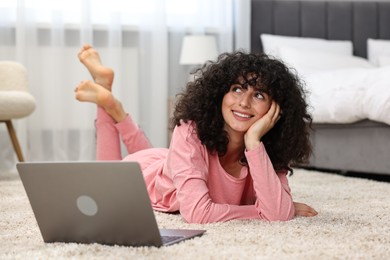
point(185, 135)
point(186, 130)
point(188, 127)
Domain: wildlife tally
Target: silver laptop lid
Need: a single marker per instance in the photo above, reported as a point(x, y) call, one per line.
point(87, 202)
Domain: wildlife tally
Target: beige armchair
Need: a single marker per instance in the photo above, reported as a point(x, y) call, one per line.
point(15, 99)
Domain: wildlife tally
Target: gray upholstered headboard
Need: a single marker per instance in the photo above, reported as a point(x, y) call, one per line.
point(335, 20)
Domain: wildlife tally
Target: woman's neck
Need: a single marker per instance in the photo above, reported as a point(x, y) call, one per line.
point(231, 160)
point(235, 151)
point(236, 146)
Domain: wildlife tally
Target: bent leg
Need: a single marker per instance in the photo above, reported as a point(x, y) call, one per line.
point(112, 119)
point(132, 136)
point(107, 137)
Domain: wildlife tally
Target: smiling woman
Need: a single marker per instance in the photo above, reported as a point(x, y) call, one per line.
point(230, 151)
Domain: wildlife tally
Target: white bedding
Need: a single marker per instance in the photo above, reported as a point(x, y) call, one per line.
point(342, 88)
point(349, 95)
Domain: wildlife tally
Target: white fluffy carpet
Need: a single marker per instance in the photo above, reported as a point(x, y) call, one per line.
point(353, 223)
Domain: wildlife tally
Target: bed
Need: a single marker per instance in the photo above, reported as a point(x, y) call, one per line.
point(347, 137)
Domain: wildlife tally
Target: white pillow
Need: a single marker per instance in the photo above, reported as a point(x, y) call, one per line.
point(376, 50)
point(273, 43)
point(307, 61)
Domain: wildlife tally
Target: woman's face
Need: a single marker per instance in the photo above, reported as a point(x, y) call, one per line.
point(242, 106)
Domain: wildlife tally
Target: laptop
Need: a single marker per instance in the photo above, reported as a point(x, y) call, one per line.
point(95, 202)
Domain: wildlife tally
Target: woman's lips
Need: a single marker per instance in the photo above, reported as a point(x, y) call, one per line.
point(241, 115)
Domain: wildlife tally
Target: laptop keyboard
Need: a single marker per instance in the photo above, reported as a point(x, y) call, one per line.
point(168, 239)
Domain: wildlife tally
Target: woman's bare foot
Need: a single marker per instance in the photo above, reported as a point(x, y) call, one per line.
point(102, 75)
point(88, 91)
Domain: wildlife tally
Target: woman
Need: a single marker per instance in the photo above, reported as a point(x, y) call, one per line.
point(236, 130)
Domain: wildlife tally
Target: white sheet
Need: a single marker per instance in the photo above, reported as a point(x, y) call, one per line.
point(349, 95)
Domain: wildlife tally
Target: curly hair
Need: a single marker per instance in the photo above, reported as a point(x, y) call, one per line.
point(287, 143)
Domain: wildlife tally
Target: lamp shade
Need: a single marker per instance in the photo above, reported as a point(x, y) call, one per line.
point(197, 49)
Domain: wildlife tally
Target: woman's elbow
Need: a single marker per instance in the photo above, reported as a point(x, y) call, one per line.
point(280, 216)
point(196, 218)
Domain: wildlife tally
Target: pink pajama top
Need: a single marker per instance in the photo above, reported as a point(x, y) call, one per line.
point(189, 179)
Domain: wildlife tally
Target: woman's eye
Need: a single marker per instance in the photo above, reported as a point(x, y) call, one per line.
point(259, 95)
point(236, 88)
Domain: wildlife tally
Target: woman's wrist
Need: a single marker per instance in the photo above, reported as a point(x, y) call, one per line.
point(251, 143)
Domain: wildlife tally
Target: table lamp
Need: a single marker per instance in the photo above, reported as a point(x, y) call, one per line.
point(197, 49)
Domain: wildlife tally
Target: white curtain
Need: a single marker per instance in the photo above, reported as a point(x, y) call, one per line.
point(140, 40)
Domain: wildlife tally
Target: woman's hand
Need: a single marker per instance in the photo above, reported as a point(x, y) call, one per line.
point(304, 210)
point(262, 126)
